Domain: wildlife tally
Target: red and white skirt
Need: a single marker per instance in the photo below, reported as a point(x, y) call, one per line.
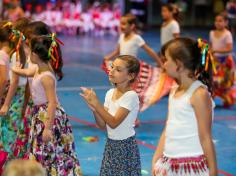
point(188, 166)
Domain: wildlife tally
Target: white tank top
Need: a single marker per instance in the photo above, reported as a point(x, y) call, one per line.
point(182, 139)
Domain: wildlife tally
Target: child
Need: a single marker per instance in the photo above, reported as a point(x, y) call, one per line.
point(185, 146)
point(221, 42)
point(5, 52)
point(14, 12)
point(21, 167)
point(22, 144)
point(5, 32)
point(12, 124)
point(121, 155)
point(51, 138)
point(129, 41)
point(170, 27)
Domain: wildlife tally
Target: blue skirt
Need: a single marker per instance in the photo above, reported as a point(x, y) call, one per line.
point(121, 158)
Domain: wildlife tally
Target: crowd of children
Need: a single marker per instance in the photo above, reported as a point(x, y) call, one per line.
point(70, 18)
point(34, 125)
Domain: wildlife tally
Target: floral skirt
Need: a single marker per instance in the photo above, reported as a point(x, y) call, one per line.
point(224, 79)
point(121, 158)
point(189, 166)
point(20, 148)
point(13, 127)
point(57, 156)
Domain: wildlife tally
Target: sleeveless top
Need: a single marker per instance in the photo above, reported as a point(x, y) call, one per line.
point(182, 138)
point(38, 92)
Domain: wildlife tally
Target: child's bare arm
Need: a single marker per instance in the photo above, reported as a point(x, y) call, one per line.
point(202, 105)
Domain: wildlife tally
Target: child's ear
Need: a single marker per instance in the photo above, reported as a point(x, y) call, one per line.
point(133, 26)
point(131, 76)
point(179, 65)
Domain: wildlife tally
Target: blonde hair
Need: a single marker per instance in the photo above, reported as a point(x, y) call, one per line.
point(20, 167)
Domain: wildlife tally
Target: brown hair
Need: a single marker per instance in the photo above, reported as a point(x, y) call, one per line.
point(186, 51)
point(133, 65)
point(41, 46)
point(20, 167)
point(174, 10)
point(21, 25)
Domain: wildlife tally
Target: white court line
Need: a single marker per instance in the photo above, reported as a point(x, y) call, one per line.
point(77, 88)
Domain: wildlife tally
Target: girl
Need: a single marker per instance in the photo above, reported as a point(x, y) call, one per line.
point(5, 32)
point(22, 144)
point(129, 41)
point(14, 12)
point(170, 27)
point(221, 42)
point(121, 155)
point(51, 138)
point(185, 146)
point(12, 124)
point(5, 52)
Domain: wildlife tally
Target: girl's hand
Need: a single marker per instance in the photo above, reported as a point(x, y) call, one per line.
point(17, 67)
point(4, 110)
point(153, 170)
point(90, 97)
point(47, 135)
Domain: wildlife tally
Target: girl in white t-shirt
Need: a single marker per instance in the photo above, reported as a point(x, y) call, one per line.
point(129, 44)
point(117, 115)
point(170, 27)
point(129, 41)
point(185, 146)
point(221, 42)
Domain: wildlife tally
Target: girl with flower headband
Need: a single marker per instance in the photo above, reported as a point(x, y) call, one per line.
point(186, 146)
point(221, 42)
point(51, 138)
point(12, 123)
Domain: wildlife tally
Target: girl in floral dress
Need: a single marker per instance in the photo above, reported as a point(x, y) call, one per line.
point(51, 138)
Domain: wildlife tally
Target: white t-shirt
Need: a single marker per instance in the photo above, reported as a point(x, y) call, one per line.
point(14, 62)
point(219, 43)
point(128, 101)
point(131, 46)
point(168, 31)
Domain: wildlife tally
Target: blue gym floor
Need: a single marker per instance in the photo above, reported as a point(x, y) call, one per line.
point(82, 58)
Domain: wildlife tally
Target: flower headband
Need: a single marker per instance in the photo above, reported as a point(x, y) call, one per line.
point(206, 55)
point(16, 34)
point(53, 48)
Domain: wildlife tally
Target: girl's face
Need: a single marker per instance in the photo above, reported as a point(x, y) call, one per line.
point(119, 72)
point(220, 22)
point(166, 13)
point(170, 66)
point(125, 27)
